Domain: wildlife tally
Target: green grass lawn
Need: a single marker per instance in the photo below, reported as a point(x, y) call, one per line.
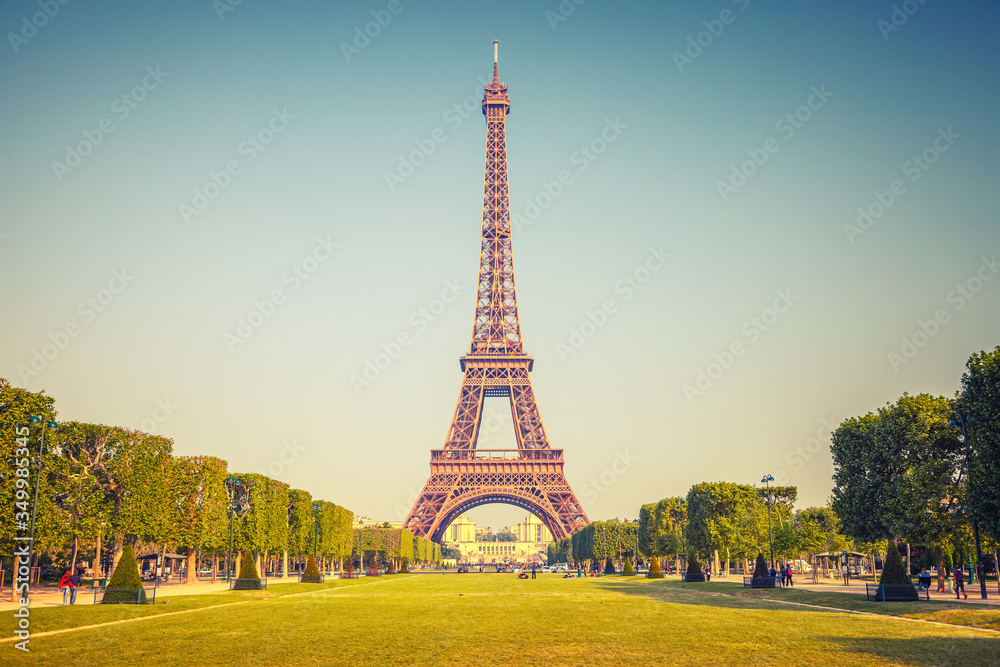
point(498, 620)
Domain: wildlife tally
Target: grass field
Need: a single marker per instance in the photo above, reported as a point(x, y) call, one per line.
point(498, 620)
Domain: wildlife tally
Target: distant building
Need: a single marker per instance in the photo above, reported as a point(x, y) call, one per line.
point(532, 540)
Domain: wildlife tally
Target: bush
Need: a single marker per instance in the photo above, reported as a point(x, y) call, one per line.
point(655, 571)
point(391, 569)
point(248, 568)
point(312, 575)
point(125, 582)
point(349, 569)
point(894, 570)
point(694, 566)
point(609, 567)
point(760, 568)
point(628, 571)
point(405, 567)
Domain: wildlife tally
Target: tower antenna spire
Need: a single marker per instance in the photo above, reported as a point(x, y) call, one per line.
point(496, 73)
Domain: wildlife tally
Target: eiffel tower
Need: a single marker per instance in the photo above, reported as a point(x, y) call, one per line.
point(462, 476)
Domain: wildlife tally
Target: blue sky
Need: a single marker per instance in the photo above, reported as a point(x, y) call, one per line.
point(308, 214)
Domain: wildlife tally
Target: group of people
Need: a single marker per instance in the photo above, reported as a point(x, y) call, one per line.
point(785, 572)
point(70, 583)
point(924, 581)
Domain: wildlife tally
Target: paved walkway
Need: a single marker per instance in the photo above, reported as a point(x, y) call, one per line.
point(48, 596)
point(804, 582)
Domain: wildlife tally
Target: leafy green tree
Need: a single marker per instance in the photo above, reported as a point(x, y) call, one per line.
point(301, 523)
point(248, 566)
point(894, 572)
point(897, 473)
point(198, 506)
point(980, 398)
point(125, 581)
point(16, 435)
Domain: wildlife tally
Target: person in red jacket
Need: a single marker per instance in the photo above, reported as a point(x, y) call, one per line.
point(65, 584)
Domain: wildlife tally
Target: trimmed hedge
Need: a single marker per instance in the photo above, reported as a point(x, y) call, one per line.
point(312, 575)
point(609, 567)
point(760, 568)
point(655, 571)
point(126, 584)
point(248, 580)
point(628, 571)
point(894, 577)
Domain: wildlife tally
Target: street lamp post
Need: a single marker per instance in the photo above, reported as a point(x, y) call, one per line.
point(766, 480)
point(315, 528)
point(683, 547)
point(962, 419)
point(38, 481)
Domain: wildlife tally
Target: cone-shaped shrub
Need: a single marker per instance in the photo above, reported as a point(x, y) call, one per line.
point(894, 571)
point(609, 567)
point(391, 569)
point(760, 567)
point(694, 566)
point(248, 568)
point(349, 568)
point(404, 568)
point(627, 571)
point(125, 582)
point(655, 571)
point(312, 575)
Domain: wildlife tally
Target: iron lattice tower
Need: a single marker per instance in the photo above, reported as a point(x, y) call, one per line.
point(463, 477)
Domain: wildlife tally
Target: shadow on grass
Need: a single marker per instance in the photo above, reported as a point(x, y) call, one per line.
point(734, 596)
point(965, 651)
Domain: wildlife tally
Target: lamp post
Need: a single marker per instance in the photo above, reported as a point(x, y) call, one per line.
point(315, 528)
point(683, 547)
point(238, 502)
point(38, 481)
point(766, 480)
point(962, 419)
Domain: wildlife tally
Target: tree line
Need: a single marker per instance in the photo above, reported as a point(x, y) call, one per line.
point(910, 473)
point(102, 487)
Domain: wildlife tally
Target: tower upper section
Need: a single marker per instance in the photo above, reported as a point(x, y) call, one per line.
point(497, 330)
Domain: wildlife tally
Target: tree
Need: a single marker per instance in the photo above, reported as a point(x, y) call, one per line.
point(980, 398)
point(897, 473)
point(198, 506)
point(894, 572)
point(248, 566)
point(125, 584)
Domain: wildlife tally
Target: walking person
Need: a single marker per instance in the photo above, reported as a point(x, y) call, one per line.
point(532, 570)
point(788, 575)
point(75, 582)
point(65, 585)
point(960, 582)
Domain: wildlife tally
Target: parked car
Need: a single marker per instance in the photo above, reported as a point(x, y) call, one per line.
point(516, 570)
point(560, 567)
point(546, 569)
point(463, 569)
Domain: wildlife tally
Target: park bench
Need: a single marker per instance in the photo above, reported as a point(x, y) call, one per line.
point(892, 592)
point(760, 582)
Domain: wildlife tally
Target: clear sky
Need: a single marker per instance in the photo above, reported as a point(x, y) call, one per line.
point(165, 167)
